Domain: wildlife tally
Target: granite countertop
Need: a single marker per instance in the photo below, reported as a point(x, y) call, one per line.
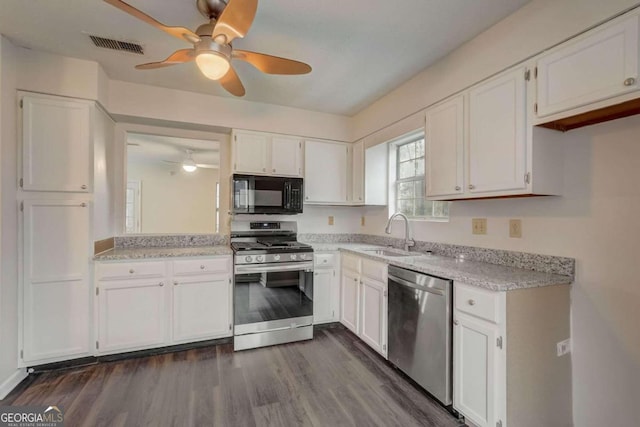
point(121, 254)
point(489, 276)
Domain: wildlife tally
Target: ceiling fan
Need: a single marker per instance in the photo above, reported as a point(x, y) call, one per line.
point(212, 49)
point(188, 164)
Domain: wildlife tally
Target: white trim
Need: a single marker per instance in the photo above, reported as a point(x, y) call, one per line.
point(10, 383)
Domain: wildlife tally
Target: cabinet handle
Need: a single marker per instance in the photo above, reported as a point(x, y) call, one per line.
point(455, 322)
point(630, 81)
point(472, 302)
point(202, 267)
point(84, 187)
point(161, 284)
point(131, 271)
point(458, 188)
point(471, 186)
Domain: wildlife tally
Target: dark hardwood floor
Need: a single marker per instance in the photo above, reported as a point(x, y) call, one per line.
point(333, 380)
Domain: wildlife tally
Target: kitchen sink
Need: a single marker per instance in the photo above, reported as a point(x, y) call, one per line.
point(387, 252)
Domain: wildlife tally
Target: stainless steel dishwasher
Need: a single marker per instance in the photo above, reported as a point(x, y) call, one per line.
point(420, 329)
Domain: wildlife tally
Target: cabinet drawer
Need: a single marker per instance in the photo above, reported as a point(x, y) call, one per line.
point(201, 266)
point(324, 260)
point(477, 302)
point(131, 270)
point(351, 262)
point(375, 270)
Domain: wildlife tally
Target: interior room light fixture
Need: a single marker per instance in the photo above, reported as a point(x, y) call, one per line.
point(188, 165)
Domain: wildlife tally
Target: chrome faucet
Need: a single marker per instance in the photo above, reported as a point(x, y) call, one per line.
point(408, 240)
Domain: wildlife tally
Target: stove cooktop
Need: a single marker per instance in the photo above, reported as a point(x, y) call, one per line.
point(271, 246)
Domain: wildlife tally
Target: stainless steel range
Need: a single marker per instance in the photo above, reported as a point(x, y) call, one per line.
point(273, 284)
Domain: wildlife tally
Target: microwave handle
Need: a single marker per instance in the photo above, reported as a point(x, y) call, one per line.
point(287, 195)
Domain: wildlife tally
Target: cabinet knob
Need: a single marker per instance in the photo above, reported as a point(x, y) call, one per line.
point(174, 283)
point(131, 271)
point(202, 267)
point(458, 188)
point(84, 187)
point(83, 205)
point(455, 322)
point(274, 171)
point(355, 280)
point(161, 284)
point(264, 169)
point(306, 198)
point(630, 81)
point(472, 302)
point(471, 186)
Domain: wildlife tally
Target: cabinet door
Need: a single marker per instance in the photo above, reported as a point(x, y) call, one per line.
point(55, 273)
point(497, 134)
point(250, 153)
point(350, 290)
point(56, 144)
point(201, 308)
point(474, 368)
point(373, 308)
point(590, 69)
point(286, 156)
point(444, 138)
point(325, 169)
point(323, 310)
point(357, 175)
point(133, 314)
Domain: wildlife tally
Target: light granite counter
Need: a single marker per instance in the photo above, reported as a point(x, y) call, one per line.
point(122, 254)
point(485, 275)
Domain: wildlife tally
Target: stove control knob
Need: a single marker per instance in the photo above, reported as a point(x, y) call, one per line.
point(276, 257)
point(259, 258)
point(248, 259)
point(303, 256)
point(294, 257)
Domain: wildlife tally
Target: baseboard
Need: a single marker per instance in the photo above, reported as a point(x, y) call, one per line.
point(10, 383)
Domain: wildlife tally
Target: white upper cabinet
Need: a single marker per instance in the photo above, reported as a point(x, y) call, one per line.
point(266, 154)
point(56, 144)
point(596, 66)
point(357, 174)
point(444, 137)
point(497, 134)
point(376, 175)
point(326, 168)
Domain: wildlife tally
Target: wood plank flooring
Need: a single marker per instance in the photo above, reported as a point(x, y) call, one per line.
point(333, 380)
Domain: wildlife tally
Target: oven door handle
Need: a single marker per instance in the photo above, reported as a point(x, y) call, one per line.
point(256, 268)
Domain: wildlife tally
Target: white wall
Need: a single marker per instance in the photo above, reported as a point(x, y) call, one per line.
point(175, 201)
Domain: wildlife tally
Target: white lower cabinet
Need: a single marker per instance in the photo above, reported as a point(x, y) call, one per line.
point(326, 288)
point(364, 300)
point(158, 303)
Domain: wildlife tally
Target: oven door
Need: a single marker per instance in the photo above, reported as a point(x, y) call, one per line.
point(267, 195)
point(271, 297)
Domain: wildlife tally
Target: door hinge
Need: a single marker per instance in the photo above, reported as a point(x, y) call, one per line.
point(21, 182)
point(21, 351)
point(384, 347)
point(333, 314)
point(235, 138)
point(235, 166)
point(230, 326)
point(97, 291)
point(21, 103)
point(535, 107)
point(527, 75)
point(97, 345)
point(21, 206)
point(229, 280)
point(499, 342)
point(385, 293)
point(527, 177)
point(535, 73)
point(300, 144)
point(499, 423)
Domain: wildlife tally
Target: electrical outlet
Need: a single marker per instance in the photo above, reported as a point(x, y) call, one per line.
point(331, 220)
point(362, 221)
point(564, 347)
point(515, 228)
point(479, 225)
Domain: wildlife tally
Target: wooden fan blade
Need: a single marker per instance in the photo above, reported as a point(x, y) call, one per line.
point(272, 64)
point(231, 82)
point(179, 32)
point(178, 57)
point(235, 20)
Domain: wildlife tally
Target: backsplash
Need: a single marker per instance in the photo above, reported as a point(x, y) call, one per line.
point(527, 261)
point(172, 240)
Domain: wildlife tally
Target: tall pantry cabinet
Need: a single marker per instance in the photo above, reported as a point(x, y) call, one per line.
point(55, 198)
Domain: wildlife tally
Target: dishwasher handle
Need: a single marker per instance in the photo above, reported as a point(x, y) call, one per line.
point(415, 285)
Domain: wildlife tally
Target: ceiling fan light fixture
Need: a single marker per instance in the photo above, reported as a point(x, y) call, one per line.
point(188, 165)
point(212, 64)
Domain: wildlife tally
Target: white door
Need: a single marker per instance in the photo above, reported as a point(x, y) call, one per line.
point(326, 167)
point(56, 144)
point(497, 134)
point(286, 156)
point(250, 153)
point(592, 68)
point(357, 176)
point(373, 308)
point(474, 368)
point(55, 274)
point(350, 291)
point(444, 138)
point(201, 308)
point(322, 296)
point(133, 314)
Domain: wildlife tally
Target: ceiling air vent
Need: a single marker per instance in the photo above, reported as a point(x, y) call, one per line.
point(117, 45)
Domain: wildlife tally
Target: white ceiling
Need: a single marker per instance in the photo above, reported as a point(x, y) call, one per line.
point(359, 49)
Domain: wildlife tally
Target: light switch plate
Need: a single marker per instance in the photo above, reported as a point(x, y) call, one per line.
point(479, 225)
point(331, 220)
point(515, 228)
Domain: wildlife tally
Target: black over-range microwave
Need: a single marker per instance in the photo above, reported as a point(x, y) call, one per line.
point(273, 195)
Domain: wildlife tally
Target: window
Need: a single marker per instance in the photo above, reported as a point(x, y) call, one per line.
point(409, 182)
